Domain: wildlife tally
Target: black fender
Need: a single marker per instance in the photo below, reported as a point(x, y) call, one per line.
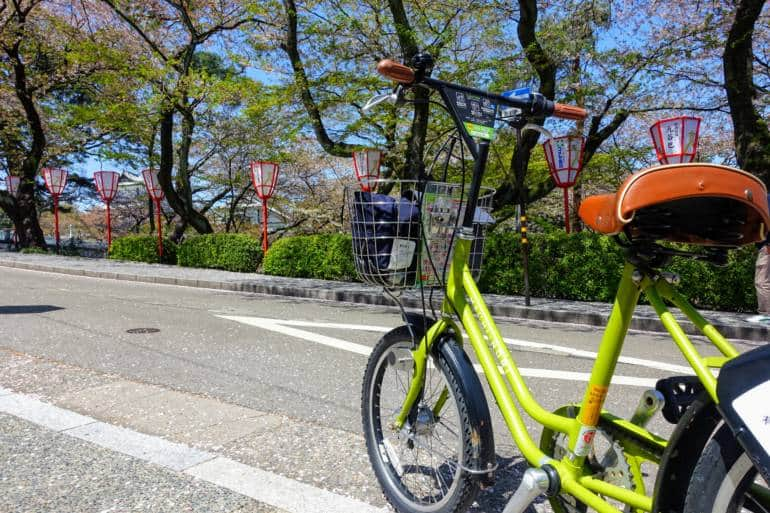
point(692, 433)
point(484, 459)
point(418, 324)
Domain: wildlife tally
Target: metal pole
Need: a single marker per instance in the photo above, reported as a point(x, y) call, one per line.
point(56, 221)
point(264, 226)
point(109, 228)
point(520, 172)
point(160, 232)
point(566, 208)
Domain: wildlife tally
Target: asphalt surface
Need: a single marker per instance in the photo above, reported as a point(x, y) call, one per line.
point(732, 325)
point(268, 384)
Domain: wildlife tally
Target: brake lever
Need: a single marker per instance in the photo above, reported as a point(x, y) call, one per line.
point(395, 97)
point(537, 128)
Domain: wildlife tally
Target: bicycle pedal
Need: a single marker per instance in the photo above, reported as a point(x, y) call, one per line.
point(534, 483)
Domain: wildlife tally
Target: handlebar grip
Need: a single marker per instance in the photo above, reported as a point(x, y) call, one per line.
point(396, 71)
point(564, 111)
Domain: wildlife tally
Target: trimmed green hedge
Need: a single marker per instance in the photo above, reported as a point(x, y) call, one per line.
point(581, 266)
point(34, 250)
point(586, 266)
point(325, 256)
point(142, 248)
point(229, 251)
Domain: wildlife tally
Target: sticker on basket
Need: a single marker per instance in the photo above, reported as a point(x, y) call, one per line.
point(402, 254)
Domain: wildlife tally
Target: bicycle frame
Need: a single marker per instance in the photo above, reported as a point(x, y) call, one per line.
point(463, 298)
point(501, 371)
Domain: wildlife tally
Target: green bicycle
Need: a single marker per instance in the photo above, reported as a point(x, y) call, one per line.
point(425, 416)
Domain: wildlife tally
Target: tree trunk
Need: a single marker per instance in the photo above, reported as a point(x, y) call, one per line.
point(25, 219)
point(180, 202)
point(751, 134)
point(24, 211)
point(415, 153)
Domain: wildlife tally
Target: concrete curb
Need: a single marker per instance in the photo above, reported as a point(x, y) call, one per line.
point(498, 305)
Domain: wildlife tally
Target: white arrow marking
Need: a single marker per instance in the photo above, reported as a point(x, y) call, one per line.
point(278, 326)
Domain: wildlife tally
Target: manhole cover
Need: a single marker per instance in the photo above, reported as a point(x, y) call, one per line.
point(143, 330)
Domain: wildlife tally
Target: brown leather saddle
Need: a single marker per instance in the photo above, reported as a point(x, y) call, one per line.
point(702, 204)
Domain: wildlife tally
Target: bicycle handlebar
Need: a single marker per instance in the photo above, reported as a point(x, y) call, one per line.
point(396, 71)
point(564, 111)
point(534, 104)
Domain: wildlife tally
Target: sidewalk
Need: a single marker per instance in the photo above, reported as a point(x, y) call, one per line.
point(731, 325)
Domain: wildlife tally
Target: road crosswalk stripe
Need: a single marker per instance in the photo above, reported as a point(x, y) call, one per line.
point(279, 326)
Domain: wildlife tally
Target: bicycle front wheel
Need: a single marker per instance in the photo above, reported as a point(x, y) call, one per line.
point(725, 480)
point(420, 466)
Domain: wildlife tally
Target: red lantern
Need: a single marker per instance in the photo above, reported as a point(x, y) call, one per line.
point(156, 193)
point(264, 176)
point(107, 187)
point(55, 180)
point(12, 184)
point(366, 164)
point(565, 161)
point(676, 139)
point(152, 184)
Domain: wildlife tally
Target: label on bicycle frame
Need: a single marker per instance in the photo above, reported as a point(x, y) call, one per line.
point(592, 409)
point(585, 440)
point(754, 409)
point(479, 131)
point(476, 112)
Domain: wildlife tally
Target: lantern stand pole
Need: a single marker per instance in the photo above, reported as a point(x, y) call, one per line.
point(566, 209)
point(264, 226)
point(56, 222)
point(109, 227)
point(160, 231)
point(520, 172)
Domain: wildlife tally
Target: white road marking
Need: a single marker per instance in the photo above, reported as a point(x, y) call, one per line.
point(569, 351)
point(335, 325)
point(565, 350)
point(44, 414)
point(577, 376)
point(144, 447)
point(267, 487)
point(273, 325)
point(278, 326)
point(276, 490)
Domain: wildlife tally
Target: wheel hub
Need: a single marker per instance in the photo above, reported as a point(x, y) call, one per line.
point(423, 424)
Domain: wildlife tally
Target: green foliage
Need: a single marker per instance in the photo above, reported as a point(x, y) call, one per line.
point(586, 267)
point(142, 248)
point(229, 251)
point(729, 288)
point(582, 266)
point(34, 250)
point(326, 256)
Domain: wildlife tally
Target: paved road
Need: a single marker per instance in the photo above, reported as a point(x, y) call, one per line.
point(125, 396)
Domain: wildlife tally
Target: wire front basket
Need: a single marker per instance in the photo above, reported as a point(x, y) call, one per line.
point(404, 231)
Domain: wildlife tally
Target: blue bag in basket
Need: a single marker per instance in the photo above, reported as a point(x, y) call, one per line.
point(386, 235)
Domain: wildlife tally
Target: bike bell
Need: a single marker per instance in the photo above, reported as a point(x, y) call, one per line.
point(422, 63)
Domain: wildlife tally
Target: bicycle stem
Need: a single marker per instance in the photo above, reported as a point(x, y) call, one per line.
point(479, 166)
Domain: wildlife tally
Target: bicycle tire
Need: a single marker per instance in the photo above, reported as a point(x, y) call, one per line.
point(722, 477)
point(393, 353)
